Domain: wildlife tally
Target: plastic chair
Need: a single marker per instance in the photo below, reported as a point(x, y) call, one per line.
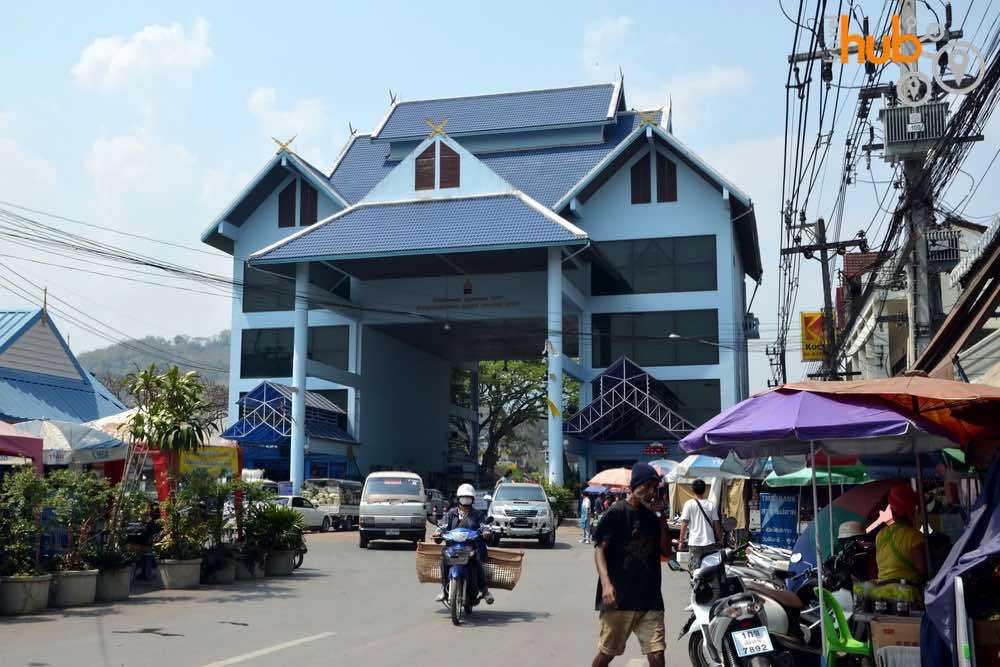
point(838, 632)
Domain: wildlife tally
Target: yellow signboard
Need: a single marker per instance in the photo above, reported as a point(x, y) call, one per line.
point(216, 461)
point(811, 325)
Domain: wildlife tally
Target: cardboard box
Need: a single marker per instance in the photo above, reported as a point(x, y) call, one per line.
point(895, 631)
point(986, 635)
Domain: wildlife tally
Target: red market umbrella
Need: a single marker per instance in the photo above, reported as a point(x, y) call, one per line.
point(19, 443)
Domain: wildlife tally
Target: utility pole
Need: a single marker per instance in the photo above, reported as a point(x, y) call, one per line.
point(919, 218)
point(822, 248)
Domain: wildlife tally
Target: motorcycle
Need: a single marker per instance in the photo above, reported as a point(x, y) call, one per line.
point(459, 556)
point(300, 554)
point(728, 626)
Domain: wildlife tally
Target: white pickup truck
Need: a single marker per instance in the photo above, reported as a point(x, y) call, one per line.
point(339, 498)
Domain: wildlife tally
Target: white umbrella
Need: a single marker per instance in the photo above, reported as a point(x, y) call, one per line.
point(65, 442)
point(115, 425)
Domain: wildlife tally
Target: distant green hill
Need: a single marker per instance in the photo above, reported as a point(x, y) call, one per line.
point(197, 354)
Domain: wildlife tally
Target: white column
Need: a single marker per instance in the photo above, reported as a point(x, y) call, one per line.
point(299, 352)
point(586, 355)
point(555, 381)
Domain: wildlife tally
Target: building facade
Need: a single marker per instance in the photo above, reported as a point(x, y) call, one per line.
point(551, 224)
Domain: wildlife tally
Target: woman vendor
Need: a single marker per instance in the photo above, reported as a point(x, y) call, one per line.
point(899, 547)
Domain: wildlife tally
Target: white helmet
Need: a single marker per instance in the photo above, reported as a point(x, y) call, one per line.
point(466, 491)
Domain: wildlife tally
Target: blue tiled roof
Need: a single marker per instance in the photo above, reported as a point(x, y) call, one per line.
point(499, 112)
point(25, 396)
point(361, 168)
point(424, 226)
point(546, 174)
point(313, 400)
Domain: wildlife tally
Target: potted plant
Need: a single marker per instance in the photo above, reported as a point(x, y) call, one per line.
point(251, 550)
point(211, 496)
point(79, 501)
point(282, 528)
point(114, 560)
point(24, 586)
point(180, 544)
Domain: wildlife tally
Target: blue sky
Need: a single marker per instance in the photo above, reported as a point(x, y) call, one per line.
point(150, 118)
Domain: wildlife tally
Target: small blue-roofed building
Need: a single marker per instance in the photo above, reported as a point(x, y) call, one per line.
point(556, 224)
point(40, 377)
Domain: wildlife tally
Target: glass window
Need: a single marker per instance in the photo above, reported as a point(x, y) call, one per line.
point(266, 353)
point(650, 266)
point(696, 400)
point(393, 486)
point(328, 345)
point(265, 291)
point(643, 338)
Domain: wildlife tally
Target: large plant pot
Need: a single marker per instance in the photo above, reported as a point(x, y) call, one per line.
point(243, 572)
point(24, 595)
point(226, 574)
point(115, 584)
point(280, 563)
point(73, 588)
point(176, 574)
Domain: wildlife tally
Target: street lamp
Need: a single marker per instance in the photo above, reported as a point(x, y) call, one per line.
point(676, 336)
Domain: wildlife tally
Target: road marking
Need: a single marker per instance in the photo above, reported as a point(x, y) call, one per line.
point(269, 650)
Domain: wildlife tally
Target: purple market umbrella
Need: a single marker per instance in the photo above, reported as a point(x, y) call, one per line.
point(785, 422)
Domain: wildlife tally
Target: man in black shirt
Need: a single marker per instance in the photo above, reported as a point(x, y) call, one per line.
point(628, 543)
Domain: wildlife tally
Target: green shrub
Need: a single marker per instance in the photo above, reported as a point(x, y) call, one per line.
point(80, 502)
point(22, 497)
point(276, 527)
point(560, 498)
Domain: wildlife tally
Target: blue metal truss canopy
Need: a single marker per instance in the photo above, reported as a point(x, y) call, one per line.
point(267, 417)
point(625, 393)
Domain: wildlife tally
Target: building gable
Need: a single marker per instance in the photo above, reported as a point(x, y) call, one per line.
point(39, 349)
point(437, 154)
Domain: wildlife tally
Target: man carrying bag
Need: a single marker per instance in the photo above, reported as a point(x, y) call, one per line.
point(699, 525)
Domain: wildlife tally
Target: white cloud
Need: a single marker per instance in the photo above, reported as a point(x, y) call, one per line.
point(306, 120)
point(602, 39)
point(25, 176)
point(156, 51)
point(694, 95)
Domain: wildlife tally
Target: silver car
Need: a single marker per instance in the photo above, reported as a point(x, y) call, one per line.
point(522, 511)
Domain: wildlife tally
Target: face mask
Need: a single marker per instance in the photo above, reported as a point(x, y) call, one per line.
point(465, 501)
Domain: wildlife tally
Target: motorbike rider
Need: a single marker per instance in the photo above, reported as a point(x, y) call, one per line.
point(464, 515)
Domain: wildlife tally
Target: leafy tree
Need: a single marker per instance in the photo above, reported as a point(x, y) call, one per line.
point(173, 414)
point(511, 394)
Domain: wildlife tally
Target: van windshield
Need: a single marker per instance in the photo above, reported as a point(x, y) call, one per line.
point(406, 488)
point(511, 493)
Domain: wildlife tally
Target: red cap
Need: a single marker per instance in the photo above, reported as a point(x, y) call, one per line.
point(903, 500)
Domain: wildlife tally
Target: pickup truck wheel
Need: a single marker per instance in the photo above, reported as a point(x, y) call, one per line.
point(325, 526)
point(362, 541)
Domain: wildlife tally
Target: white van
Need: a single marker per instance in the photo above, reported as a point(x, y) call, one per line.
point(392, 508)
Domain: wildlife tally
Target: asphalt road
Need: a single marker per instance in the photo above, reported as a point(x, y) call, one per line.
point(345, 606)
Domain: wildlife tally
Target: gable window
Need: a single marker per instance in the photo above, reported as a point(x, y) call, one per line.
point(449, 167)
point(308, 205)
point(424, 171)
point(640, 181)
point(666, 179)
point(286, 206)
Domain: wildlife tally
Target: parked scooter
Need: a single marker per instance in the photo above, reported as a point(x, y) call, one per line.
point(460, 557)
point(300, 554)
point(728, 626)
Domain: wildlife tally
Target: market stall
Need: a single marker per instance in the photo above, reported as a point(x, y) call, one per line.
point(20, 444)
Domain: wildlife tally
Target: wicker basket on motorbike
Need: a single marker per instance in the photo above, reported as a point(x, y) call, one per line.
point(503, 566)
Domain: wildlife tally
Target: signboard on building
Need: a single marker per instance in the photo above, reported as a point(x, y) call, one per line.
point(217, 461)
point(811, 327)
point(779, 520)
point(654, 449)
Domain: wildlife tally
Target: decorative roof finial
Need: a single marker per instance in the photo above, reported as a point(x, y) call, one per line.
point(392, 97)
point(649, 117)
point(436, 128)
point(283, 146)
point(670, 115)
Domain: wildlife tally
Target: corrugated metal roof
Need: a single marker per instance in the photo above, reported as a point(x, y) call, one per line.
point(13, 322)
point(421, 226)
point(544, 174)
point(313, 400)
point(501, 112)
point(24, 396)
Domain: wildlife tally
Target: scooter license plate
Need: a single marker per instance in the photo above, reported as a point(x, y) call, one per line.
point(752, 642)
point(392, 531)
